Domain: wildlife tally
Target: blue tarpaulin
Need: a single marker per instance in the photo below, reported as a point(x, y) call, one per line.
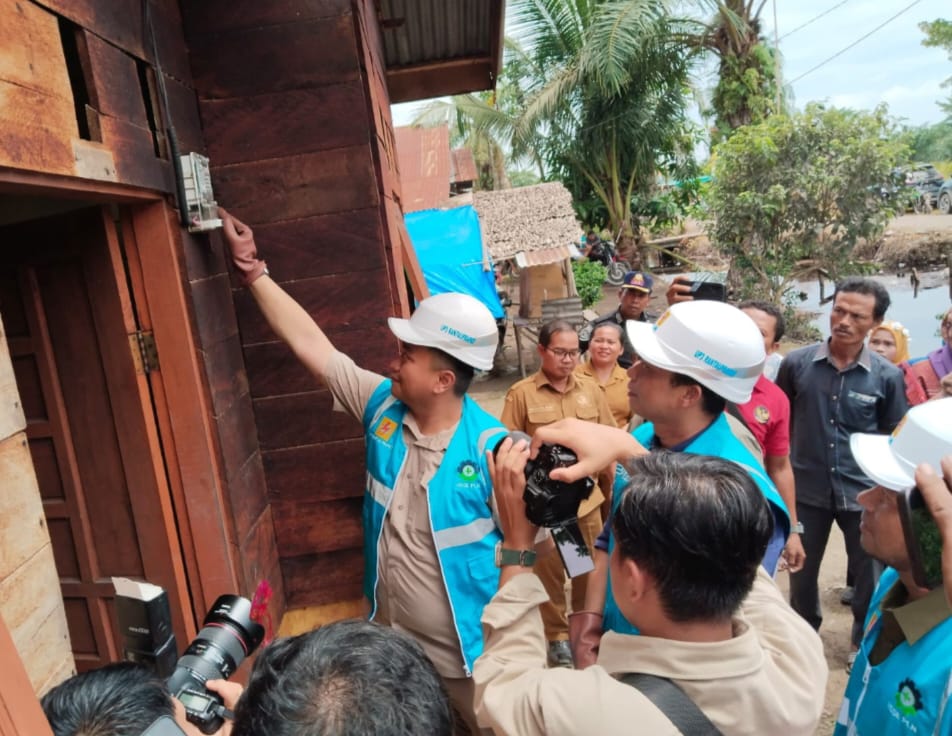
point(449, 247)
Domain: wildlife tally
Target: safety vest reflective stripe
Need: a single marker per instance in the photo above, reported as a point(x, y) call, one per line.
point(378, 491)
point(486, 436)
point(456, 536)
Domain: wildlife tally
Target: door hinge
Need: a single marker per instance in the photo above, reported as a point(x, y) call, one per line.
point(144, 354)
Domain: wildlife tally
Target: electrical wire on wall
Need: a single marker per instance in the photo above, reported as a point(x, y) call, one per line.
point(166, 116)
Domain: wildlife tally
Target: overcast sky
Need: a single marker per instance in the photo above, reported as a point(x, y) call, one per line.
point(891, 65)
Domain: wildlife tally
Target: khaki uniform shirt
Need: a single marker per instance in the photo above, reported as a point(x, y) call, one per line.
point(410, 591)
point(533, 402)
point(770, 678)
point(616, 391)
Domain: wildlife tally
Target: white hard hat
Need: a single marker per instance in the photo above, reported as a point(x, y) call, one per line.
point(714, 343)
point(923, 436)
point(458, 324)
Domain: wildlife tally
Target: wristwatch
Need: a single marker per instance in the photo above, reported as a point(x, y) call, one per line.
point(797, 528)
point(521, 557)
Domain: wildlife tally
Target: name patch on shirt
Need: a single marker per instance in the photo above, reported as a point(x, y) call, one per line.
point(862, 398)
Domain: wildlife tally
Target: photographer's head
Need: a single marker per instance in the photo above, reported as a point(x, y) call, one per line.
point(690, 531)
point(345, 679)
point(121, 699)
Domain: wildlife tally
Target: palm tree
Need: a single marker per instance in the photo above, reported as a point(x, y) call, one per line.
point(746, 87)
point(606, 85)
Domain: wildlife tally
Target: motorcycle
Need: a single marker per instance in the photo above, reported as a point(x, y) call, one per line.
point(605, 253)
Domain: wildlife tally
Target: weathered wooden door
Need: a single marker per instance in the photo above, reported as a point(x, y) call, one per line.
point(91, 426)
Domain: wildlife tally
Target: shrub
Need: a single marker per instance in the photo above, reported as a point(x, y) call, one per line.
point(589, 277)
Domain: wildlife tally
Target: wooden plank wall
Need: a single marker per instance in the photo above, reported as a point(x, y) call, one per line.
point(40, 130)
point(30, 601)
point(294, 132)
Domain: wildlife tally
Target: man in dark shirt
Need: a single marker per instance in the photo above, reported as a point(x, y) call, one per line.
point(633, 298)
point(836, 388)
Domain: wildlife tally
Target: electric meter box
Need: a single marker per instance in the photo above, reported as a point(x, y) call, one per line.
point(199, 198)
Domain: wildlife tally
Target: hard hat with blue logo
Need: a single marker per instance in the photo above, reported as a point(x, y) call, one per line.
point(457, 324)
point(714, 343)
point(923, 436)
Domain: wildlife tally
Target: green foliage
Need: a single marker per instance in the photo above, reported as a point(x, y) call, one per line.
point(939, 35)
point(746, 89)
point(931, 143)
point(589, 277)
point(607, 83)
point(800, 191)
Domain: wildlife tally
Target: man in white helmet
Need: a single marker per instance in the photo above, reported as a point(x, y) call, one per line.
point(429, 533)
point(901, 682)
point(697, 357)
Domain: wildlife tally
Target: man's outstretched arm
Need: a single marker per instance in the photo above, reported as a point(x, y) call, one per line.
point(286, 317)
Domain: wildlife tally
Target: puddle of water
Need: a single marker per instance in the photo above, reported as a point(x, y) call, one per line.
point(917, 313)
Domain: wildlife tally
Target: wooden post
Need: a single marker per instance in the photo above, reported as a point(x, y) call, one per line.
point(20, 712)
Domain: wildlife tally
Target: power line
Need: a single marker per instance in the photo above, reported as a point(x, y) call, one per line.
point(812, 20)
point(856, 42)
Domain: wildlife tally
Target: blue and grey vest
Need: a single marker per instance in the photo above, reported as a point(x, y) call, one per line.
point(464, 533)
point(909, 692)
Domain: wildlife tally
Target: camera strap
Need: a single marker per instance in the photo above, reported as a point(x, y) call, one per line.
point(673, 702)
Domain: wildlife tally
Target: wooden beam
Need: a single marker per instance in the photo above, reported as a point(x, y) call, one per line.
point(454, 77)
point(20, 181)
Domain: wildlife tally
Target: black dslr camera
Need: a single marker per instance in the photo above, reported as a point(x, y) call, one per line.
point(227, 637)
point(554, 504)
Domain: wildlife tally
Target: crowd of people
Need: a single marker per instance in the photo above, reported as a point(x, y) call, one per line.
point(708, 477)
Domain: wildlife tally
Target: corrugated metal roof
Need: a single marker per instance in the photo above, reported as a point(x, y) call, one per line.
point(463, 165)
point(543, 256)
point(423, 157)
point(434, 30)
point(464, 37)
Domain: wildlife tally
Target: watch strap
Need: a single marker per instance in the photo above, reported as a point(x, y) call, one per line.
point(521, 557)
point(797, 528)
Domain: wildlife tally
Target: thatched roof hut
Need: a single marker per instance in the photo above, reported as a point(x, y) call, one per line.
point(534, 224)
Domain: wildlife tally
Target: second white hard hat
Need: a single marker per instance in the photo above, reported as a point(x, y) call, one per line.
point(458, 324)
point(923, 436)
point(714, 343)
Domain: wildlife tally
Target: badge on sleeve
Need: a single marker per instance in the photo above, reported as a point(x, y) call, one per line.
point(762, 414)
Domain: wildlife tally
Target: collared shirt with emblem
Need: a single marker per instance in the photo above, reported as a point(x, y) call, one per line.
point(767, 415)
point(827, 405)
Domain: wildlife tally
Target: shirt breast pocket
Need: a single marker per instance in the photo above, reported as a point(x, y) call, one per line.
point(587, 412)
point(859, 410)
point(539, 415)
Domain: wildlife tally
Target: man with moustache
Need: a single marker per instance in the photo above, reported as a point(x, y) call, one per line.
point(429, 533)
point(836, 388)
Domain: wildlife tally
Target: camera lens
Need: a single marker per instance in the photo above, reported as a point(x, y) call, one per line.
point(227, 637)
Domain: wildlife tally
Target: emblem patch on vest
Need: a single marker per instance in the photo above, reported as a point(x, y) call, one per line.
point(762, 414)
point(385, 429)
point(467, 471)
point(908, 698)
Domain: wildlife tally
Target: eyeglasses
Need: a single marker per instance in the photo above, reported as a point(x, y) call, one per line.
point(563, 354)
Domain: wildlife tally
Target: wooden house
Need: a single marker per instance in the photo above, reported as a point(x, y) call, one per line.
point(150, 423)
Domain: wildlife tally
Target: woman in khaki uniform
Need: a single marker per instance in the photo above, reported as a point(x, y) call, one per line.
point(604, 349)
